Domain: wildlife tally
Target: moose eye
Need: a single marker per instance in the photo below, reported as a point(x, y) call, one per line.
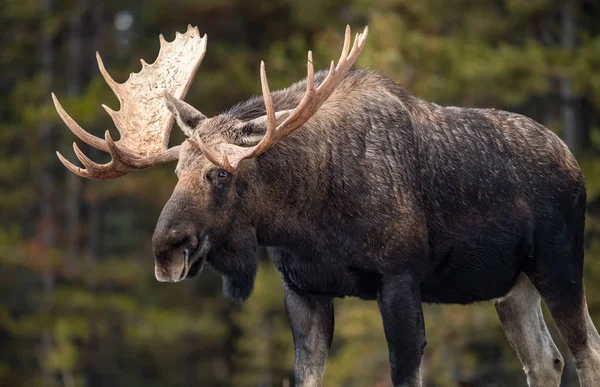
point(222, 174)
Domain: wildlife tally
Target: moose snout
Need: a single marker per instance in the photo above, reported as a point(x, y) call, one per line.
point(173, 246)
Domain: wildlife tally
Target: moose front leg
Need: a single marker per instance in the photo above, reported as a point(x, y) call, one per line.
point(311, 320)
point(399, 302)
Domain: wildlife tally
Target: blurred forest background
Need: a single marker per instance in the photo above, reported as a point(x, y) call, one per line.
point(79, 304)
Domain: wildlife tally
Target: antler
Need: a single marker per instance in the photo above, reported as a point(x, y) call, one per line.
point(144, 120)
point(313, 99)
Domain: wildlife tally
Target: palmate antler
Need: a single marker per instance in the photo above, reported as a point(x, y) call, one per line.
point(144, 120)
point(313, 99)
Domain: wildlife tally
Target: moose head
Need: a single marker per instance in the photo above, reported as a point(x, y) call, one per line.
point(221, 194)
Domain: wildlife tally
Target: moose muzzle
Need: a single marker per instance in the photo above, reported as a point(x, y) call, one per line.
point(179, 246)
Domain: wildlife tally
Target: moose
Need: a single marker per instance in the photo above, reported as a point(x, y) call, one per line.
point(359, 189)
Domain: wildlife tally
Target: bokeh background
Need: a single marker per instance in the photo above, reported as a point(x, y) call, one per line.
point(79, 305)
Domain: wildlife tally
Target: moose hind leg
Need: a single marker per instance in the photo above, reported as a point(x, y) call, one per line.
point(563, 293)
point(557, 273)
point(521, 317)
point(577, 329)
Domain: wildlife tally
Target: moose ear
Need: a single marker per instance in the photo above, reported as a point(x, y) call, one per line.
point(186, 115)
point(254, 130)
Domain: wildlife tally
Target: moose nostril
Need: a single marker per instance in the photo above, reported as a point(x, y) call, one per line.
point(176, 237)
point(192, 241)
point(178, 234)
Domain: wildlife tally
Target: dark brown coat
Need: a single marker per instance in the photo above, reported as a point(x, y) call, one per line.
point(384, 196)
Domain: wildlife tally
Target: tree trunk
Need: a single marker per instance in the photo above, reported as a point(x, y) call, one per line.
point(94, 215)
point(575, 133)
point(74, 88)
point(47, 232)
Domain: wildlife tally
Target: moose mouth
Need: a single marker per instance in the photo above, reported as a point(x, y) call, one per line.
point(193, 260)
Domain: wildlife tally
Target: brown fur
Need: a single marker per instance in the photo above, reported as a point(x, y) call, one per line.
point(384, 196)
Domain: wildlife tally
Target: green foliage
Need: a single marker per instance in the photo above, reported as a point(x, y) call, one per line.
point(263, 355)
point(100, 319)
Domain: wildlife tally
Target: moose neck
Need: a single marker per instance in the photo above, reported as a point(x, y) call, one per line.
point(292, 188)
point(314, 184)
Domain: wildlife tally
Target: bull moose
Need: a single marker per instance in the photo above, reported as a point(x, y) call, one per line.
point(358, 188)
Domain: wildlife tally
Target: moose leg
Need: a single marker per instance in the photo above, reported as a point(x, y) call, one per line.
point(521, 316)
point(575, 325)
point(561, 287)
point(399, 302)
point(311, 320)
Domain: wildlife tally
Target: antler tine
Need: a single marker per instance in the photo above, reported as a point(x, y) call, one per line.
point(73, 168)
point(301, 114)
point(269, 108)
point(312, 100)
point(210, 155)
point(162, 40)
point(83, 135)
point(115, 87)
point(88, 163)
point(346, 44)
point(310, 74)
